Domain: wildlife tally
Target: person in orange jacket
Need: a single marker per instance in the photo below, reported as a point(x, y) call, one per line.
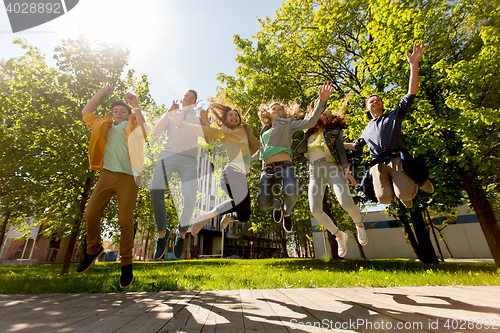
point(115, 148)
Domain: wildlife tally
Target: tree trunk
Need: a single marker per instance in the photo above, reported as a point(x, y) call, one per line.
point(76, 228)
point(146, 252)
point(428, 254)
point(408, 231)
point(282, 236)
point(433, 228)
point(441, 236)
point(436, 241)
point(142, 243)
point(334, 246)
point(484, 211)
point(3, 227)
point(360, 248)
point(306, 250)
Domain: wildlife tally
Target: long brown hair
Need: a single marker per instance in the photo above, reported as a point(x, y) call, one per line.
point(337, 121)
point(220, 112)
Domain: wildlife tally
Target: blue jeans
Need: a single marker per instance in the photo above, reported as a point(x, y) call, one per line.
point(185, 166)
point(273, 176)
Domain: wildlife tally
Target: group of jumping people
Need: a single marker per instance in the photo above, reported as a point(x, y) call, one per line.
point(116, 143)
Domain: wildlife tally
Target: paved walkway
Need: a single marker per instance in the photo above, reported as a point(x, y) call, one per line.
point(396, 309)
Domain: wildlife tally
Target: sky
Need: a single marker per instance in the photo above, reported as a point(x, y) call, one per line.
point(178, 44)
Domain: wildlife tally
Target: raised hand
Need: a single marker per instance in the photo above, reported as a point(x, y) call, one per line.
point(418, 51)
point(107, 90)
point(203, 113)
point(132, 99)
point(325, 91)
point(175, 106)
point(92, 103)
point(176, 118)
point(247, 128)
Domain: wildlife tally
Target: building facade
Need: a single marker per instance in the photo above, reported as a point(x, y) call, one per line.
point(386, 238)
point(237, 240)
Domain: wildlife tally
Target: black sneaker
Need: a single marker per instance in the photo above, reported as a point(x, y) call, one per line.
point(287, 223)
point(178, 246)
point(87, 261)
point(278, 213)
point(127, 276)
point(161, 245)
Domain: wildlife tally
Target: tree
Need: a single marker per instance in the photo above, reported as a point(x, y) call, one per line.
point(360, 46)
point(461, 120)
point(446, 220)
point(46, 140)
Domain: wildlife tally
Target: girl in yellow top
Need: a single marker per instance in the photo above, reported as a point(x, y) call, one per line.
point(240, 145)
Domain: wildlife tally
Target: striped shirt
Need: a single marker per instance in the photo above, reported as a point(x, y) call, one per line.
point(383, 134)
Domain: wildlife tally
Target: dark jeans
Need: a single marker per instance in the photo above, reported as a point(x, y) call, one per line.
point(273, 176)
point(234, 183)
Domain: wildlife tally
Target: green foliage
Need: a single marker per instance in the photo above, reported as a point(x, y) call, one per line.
point(44, 141)
point(361, 46)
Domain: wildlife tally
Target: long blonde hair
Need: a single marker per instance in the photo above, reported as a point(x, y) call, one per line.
point(292, 110)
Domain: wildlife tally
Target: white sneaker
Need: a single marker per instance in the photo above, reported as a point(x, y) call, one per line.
point(362, 236)
point(342, 242)
point(225, 221)
point(198, 223)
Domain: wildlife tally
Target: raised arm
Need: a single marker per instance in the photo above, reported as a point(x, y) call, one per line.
point(204, 117)
point(414, 59)
point(324, 93)
point(162, 124)
point(195, 128)
point(94, 101)
point(205, 122)
point(253, 143)
point(132, 100)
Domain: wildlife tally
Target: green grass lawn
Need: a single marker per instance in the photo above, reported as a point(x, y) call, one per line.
point(224, 274)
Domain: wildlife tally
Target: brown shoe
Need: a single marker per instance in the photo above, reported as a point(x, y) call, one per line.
point(408, 204)
point(427, 186)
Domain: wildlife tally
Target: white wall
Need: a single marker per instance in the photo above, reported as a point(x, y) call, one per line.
point(465, 240)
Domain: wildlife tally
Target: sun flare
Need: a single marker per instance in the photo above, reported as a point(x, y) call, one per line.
point(136, 24)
